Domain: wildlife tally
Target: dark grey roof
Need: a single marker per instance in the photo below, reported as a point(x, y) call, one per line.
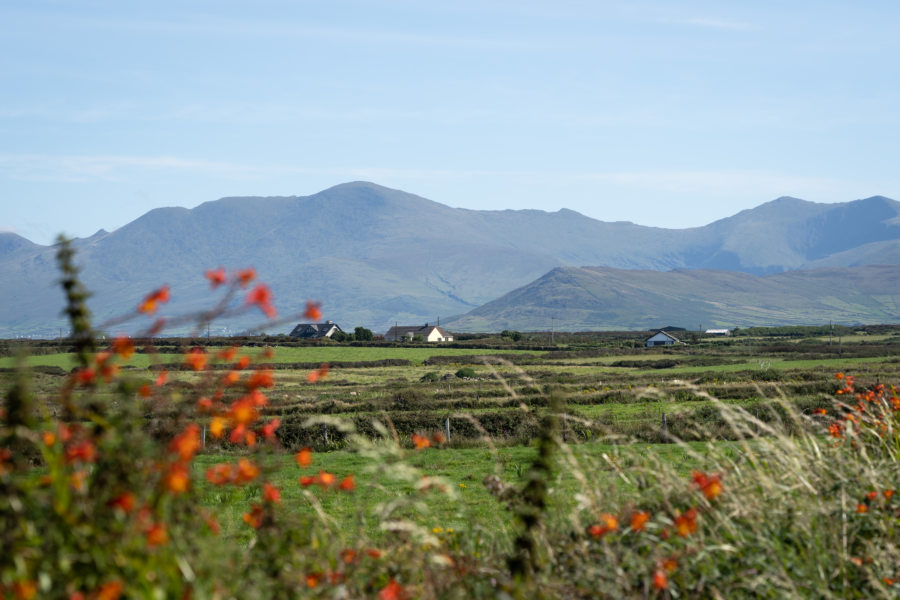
point(313, 330)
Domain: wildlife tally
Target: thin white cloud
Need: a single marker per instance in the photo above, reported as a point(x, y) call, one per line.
point(715, 23)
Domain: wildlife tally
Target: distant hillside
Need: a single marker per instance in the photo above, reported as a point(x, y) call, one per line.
point(374, 255)
point(596, 298)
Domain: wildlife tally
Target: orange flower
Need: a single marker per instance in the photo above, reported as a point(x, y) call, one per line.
point(230, 378)
point(270, 428)
point(872, 495)
point(261, 296)
point(156, 535)
point(204, 404)
point(710, 485)
point(229, 353)
point(861, 508)
point(123, 346)
point(261, 378)
point(888, 494)
point(196, 358)
point(836, 429)
point(243, 411)
point(242, 363)
point(148, 304)
point(660, 581)
point(49, 438)
point(307, 480)
point(304, 457)
point(686, 523)
point(838, 375)
point(25, 589)
point(161, 378)
point(639, 520)
point(348, 556)
point(177, 479)
point(145, 390)
point(607, 523)
point(220, 474)
point(213, 525)
point(325, 479)
point(187, 443)
point(313, 311)
point(217, 426)
point(271, 493)
point(83, 451)
point(669, 564)
point(347, 484)
point(321, 373)
point(78, 480)
point(111, 590)
point(820, 411)
point(312, 579)
point(420, 442)
point(246, 472)
point(216, 277)
point(124, 502)
point(254, 517)
point(245, 276)
point(392, 591)
point(374, 553)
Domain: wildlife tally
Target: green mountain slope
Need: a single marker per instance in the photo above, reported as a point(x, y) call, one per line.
point(596, 298)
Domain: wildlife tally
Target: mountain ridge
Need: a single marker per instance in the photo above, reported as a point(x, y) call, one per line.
point(374, 255)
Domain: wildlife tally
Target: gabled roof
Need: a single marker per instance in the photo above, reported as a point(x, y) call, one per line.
point(400, 331)
point(314, 330)
point(668, 335)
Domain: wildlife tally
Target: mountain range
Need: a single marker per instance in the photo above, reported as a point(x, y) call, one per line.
point(374, 256)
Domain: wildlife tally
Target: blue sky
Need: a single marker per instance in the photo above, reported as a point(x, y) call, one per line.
point(663, 113)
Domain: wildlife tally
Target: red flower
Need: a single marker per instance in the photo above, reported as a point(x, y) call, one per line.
point(420, 442)
point(261, 296)
point(318, 374)
point(392, 591)
point(710, 485)
point(187, 443)
point(245, 276)
point(347, 484)
point(269, 429)
point(254, 517)
point(271, 493)
point(660, 581)
point(124, 502)
point(313, 311)
point(607, 524)
point(123, 346)
point(216, 277)
point(156, 535)
point(686, 523)
point(639, 520)
point(261, 378)
point(148, 304)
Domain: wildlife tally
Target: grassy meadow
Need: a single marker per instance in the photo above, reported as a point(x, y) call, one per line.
point(724, 450)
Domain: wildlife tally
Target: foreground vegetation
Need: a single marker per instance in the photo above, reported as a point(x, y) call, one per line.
point(236, 472)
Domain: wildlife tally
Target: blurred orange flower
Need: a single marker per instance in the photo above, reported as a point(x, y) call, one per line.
point(148, 304)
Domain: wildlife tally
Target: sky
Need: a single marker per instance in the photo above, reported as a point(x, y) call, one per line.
point(671, 114)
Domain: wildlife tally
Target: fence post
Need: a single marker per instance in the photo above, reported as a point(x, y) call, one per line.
point(665, 435)
point(565, 427)
point(447, 429)
point(325, 433)
point(203, 437)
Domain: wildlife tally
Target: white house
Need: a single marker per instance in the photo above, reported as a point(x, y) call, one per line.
point(661, 338)
point(429, 333)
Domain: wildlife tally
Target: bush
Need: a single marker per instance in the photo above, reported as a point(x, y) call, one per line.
point(466, 372)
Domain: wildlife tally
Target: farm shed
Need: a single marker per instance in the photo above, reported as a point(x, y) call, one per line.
point(310, 331)
point(429, 333)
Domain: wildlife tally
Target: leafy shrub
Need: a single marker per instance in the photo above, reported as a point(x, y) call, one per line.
point(466, 372)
